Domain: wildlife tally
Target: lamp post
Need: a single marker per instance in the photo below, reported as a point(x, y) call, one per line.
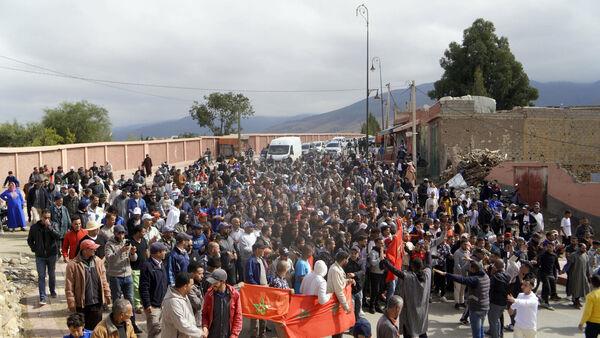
point(380, 93)
point(363, 11)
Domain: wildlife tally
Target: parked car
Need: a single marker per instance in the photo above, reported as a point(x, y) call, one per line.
point(319, 147)
point(307, 148)
point(334, 148)
point(285, 148)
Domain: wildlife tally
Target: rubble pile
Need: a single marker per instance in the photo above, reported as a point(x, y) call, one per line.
point(474, 165)
point(15, 276)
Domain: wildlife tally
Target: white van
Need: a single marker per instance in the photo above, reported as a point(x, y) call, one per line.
point(283, 148)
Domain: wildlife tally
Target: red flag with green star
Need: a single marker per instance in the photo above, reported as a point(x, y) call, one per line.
point(262, 302)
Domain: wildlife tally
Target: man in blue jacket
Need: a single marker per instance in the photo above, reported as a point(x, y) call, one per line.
point(256, 273)
point(179, 258)
point(136, 202)
point(153, 286)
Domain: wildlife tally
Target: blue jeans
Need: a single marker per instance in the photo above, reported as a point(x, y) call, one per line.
point(41, 264)
point(477, 318)
point(391, 289)
point(121, 286)
point(357, 300)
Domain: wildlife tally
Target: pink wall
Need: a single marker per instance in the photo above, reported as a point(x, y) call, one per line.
point(127, 156)
point(561, 186)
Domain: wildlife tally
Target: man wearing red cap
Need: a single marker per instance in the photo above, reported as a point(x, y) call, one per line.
point(86, 287)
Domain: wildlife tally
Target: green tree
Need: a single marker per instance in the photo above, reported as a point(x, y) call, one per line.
point(373, 125)
point(30, 135)
point(42, 136)
point(484, 58)
point(220, 112)
point(79, 122)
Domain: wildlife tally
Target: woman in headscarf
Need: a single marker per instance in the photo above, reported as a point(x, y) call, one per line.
point(14, 200)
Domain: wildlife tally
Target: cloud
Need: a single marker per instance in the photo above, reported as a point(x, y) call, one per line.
point(265, 45)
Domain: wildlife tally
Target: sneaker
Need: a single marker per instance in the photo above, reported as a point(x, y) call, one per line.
point(53, 295)
point(555, 298)
point(444, 299)
point(457, 306)
point(464, 321)
point(42, 302)
point(547, 306)
point(510, 328)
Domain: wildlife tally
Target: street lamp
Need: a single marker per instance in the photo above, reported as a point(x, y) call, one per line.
point(363, 11)
point(378, 60)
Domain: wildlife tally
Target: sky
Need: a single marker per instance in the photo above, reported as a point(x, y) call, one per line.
point(265, 46)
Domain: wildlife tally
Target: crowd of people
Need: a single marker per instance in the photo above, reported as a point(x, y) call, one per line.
point(176, 245)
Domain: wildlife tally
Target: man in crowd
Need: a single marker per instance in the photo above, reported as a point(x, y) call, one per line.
point(43, 241)
point(117, 323)
point(177, 317)
point(119, 255)
point(387, 325)
point(222, 309)
point(86, 287)
point(153, 287)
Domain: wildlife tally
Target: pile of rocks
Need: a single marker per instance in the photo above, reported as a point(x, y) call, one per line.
point(474, 165)
point(19, 271)
point(11, 323)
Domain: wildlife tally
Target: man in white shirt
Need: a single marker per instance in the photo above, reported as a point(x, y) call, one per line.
point(565, 227)
point(174, 213)
point(539, 218)
point(247, 241)
point(525, 305)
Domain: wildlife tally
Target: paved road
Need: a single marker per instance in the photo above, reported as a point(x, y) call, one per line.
point(49, 320)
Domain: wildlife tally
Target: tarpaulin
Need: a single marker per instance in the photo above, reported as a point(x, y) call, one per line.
point(302, 316)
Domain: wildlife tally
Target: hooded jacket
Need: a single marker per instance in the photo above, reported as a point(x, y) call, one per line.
point(177, 318)
point(314, 284)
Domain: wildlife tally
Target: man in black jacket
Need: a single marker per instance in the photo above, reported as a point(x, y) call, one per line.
point(355, 271)
point(499, 289)
point(43, 240)
point(548, 272)
point(153, 286)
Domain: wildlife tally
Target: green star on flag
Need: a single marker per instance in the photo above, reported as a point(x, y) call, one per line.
point(262, 307)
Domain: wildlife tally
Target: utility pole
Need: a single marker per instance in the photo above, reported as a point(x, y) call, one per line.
point(389, 106)
point(239, 119)
point(363, 11)
point(413, 108)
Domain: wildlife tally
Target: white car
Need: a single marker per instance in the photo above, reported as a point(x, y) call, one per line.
point(334, 148)
point(319, 147)
point(307, 148)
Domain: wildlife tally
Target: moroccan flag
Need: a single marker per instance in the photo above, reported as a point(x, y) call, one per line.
point(262, 302)
point(395, 251)
point(308, 318)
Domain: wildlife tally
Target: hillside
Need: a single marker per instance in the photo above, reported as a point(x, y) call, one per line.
point(186, 124)
point(350, 118)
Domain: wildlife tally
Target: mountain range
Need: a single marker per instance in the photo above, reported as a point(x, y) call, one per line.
point(353, 115)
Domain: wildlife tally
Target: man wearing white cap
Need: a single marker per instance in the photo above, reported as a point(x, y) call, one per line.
point(152, 234)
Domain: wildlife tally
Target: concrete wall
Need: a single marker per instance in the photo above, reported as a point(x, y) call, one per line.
point(563, 191)
point(127, 156)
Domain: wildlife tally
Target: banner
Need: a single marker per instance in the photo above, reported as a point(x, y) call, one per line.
point(302, 316)
point(263, 302)
point(308, 318)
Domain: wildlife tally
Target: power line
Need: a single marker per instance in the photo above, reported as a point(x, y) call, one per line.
point(154, 85)
point(64, 75)
point(516, 130)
